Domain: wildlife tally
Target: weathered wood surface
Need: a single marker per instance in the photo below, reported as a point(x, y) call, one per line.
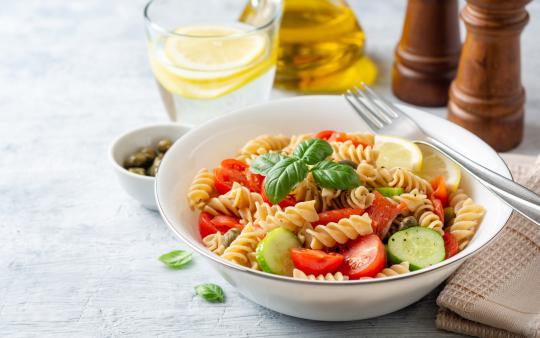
point(78, 257)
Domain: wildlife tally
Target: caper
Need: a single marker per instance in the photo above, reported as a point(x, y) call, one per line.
point(408, 222)
point(150, 152)
point(350, 163)
point(164, 145)
point(449, 215)
point(138, 171)
point(137, 160)
point(152, 171)
point(230, 236)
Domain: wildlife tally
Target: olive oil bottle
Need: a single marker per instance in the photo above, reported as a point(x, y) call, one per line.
point(321, 47)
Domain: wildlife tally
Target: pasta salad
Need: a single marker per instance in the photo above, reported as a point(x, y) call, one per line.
point(319, 207)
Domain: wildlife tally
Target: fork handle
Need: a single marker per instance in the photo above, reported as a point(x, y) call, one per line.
point(517, 196)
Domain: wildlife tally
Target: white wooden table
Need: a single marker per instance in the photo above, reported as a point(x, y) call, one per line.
point(78, 257)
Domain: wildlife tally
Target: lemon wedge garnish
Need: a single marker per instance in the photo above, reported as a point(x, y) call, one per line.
point(436, 164)
point(398, 152)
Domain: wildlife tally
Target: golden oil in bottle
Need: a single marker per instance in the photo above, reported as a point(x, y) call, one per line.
point(321, 47)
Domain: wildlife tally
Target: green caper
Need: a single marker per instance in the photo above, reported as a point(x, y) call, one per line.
point(138, 171)
point(137, 160)
point(150, 152)
point(408, 222)
point(230, 236)
point(449, 215)
point(350, 163)
point(152, 171)
point(164, 145)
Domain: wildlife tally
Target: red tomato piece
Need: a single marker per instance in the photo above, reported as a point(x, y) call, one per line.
point(225, 177)
point(288, 201)
point(223, 223)
point(335, 215)
point(324, 134)
point(206, 227)
point(438, 208)
point(233, 164)
point(451, 245)
point(382, 212)
point(254, 181)
point(316, 262)
point(363, 257)
point(439, 190)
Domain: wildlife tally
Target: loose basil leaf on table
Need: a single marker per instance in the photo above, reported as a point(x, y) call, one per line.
point(313, 150)
point(333, 175)
point(264, 163)
point(176, 259)
point(210, 292)
point(283, 177)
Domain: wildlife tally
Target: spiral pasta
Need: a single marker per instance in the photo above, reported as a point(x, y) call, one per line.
point(292, 218)
point(367, 139)
point(264, 143)
point(344, 230)
point(403, 178)
point(307, 190)
point(367, 173)
point(201, 189)
point(464, 225)
point(214, 243)
point(394, 270)
point(413, 200)
point(359, 197)
point(295, 141)
point(348, 151)
point(427, 218)
point(239, 202)
point(457, 198)
point(246, 243)
point(338, 276)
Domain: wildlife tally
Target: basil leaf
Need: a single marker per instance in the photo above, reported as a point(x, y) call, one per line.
point(283, 177)
point(263, 164)
point(210, 292)
point(313, 150)
point(176, 259)
point(333, 175)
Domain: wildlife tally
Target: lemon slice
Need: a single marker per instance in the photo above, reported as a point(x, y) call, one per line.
point(436, 164)
point(398, 152)
point(200, 51)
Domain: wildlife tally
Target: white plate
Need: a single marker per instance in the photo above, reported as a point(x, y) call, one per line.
point(218, 139)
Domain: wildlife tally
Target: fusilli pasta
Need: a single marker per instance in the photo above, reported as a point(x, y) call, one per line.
point(403, 178)
point(214, 243)
point(201, 189)
point(264, 143)
point(346, 229)
point(348, 151)
point(246, 243)
point(468, 217)
point(292, 218)
point(359, 197)
point(338, 276)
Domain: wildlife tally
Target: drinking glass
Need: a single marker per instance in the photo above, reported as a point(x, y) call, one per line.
point(212, 56)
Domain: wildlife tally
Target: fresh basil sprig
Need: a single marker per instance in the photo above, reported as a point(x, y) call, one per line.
point(284, 173)
point(176, 259)
point(210, 292)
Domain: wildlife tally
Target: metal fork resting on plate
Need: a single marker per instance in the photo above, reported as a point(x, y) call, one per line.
point(385, 118)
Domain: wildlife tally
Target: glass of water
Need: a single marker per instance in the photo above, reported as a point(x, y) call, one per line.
point(212, 56)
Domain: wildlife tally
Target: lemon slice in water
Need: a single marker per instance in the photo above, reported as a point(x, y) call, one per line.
point(398, 152)
point(436, 164)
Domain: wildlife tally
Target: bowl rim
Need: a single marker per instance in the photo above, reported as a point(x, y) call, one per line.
point(114, 144)
point(217, 259)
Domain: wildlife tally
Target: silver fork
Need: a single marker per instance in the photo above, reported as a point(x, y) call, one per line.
point(385, 118)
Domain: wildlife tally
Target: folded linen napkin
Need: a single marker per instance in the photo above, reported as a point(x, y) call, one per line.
point(496, 293)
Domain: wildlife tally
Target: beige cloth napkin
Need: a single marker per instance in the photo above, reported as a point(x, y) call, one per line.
point(496, 293)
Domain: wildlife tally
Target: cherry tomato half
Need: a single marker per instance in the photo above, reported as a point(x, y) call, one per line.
point(206, 227)
point(233, 164)
point(223, 223)
point(451, 245)
point(254, 181)
point(438, 208)
point(316, 262)
point(335, 215)
point(225, 177)
point(440, 190)
point(288, 201)
point(364, 257)
point(324, 134)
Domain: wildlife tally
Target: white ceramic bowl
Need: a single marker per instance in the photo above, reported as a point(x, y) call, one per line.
point(218, 139)
point(141, 187)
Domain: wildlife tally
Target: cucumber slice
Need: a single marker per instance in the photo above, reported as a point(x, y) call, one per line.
point(274, 252)
point(419, 246)
point(389, 192)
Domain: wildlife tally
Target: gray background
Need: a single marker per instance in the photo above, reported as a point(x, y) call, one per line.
point(77, 256)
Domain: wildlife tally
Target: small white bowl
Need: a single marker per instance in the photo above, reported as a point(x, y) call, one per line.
point(141, 187)
point(208, 144)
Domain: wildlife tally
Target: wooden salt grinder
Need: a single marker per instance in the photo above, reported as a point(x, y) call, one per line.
point(427, 54)
point(487, 96)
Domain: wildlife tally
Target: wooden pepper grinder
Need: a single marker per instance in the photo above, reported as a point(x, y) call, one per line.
point(487, 96)
point(427, 54)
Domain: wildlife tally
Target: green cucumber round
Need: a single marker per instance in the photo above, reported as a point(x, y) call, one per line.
point(419, 246)
point(274, 252)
